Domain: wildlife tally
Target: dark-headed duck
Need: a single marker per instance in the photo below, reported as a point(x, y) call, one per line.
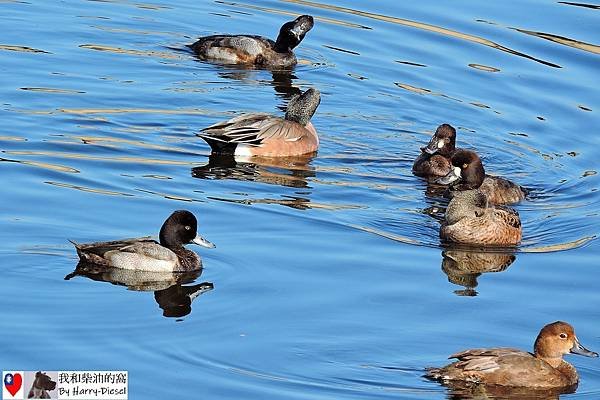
point(260, 134)
point(256, 50)
point(544, 369)
point(434, 160)
point(145, 254)
point(469, 220)
point(467, 173)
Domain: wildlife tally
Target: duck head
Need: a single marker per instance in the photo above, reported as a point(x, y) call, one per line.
point(302, 107)
point(443, 141)
point(467, 171)
point(292, 33)
point(180, 229)
point(557, 339)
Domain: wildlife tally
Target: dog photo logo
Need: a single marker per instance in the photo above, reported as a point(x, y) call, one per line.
point(12, 385)
point(41, 384)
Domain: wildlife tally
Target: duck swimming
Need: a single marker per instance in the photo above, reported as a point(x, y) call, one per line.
point(260, 134)
point(256, 50)
point(469, 220)
point(434, 160)
point(467, 173)
point(542, 369)
point(145, 254)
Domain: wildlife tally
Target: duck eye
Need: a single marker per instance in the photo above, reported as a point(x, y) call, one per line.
point(187, 227)
point(465, 165)
point(563, 335)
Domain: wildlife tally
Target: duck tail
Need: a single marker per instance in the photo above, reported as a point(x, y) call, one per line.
point(218, 145)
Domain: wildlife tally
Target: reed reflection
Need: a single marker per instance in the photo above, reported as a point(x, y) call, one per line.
point(464, 266)
point(170, 294)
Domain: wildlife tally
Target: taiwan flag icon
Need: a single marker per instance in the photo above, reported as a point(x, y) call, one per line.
point(12, 385)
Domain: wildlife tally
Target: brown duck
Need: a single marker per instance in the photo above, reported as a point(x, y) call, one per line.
point(265, 135)
point(469, 220)
point(467, 173)
point(542, 369)
point(434, 160)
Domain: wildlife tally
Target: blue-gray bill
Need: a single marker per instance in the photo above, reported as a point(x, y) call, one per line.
point(582, 351)
point(200, 241)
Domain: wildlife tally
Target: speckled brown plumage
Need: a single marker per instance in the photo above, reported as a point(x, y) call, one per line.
point(544, 369)
point(470, 221)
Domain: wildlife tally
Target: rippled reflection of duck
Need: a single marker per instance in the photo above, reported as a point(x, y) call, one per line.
point(265, 135)
point(469, 220)
point(467, 173)
point(172, 296)
point(145, 254)
point(284, 171)
point(256, 50)
point(463, 267)
point(513, 371)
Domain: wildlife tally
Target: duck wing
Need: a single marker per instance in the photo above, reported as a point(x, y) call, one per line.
point(150, 249)
point(230, 47)
point(99, 249)
point(484, 359)
point(507, 216)
point(251, 129)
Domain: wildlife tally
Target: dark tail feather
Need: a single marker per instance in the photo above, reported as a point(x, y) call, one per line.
point(219, 146)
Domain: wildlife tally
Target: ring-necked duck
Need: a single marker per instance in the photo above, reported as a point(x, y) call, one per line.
point(467, 173)
point(469, 220)
point(259, 134)
point(434, 160)
point(545, 368)
point(145, 254)
point(256, 50)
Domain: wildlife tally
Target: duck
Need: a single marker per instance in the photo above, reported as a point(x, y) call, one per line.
point(469, 220)
point(145, 254)
point(255, 50)
point(542, 369)
point(266, 135)
point(467, 173)
point(434, 160)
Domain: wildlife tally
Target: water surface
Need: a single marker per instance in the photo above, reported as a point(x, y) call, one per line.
point(329, 278)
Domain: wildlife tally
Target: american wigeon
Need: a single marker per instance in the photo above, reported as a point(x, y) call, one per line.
point(434, 160)
point(256, 50)
point(469, 220)
point(544, 369)
point(259, 134)
point(467, 173)
point(145, 254)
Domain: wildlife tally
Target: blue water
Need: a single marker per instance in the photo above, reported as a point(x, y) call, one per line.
point(329, 278)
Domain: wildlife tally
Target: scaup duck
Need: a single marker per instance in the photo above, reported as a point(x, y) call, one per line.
point(145, 254)
point(469, 220)
point(256, 50)
point(467, 173)
point(542, 369)
point(434, 160)
point(260, 134)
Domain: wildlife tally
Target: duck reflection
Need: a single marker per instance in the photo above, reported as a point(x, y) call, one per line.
point(282, 80)
point(463, 266)
point(465, 390)
point(283, 171)
point(172, 296)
